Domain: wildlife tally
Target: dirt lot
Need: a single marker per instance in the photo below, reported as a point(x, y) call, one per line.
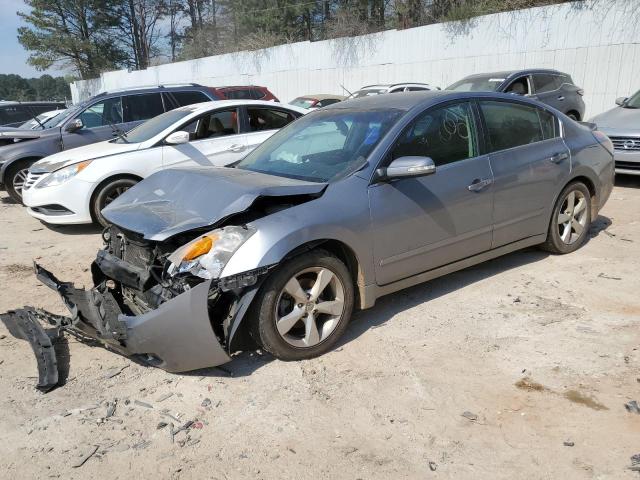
point(538, 350)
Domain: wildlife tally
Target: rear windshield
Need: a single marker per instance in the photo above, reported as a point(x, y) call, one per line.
point(303, 102)
point(477, 84)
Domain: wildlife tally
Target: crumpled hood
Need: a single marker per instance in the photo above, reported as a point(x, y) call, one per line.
point(80, 154)
point(619, 118)
point(175, 201)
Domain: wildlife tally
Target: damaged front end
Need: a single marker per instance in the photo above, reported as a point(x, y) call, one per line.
point(162, 305)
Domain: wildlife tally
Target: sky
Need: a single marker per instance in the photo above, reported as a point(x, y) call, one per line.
point(13, 57)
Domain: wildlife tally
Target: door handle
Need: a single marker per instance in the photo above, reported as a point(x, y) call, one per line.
point(558, 157)
point(479, 184)
point(561, 97)
point(236, 148)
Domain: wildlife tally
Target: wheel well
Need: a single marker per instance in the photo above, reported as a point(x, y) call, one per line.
point(109, 180)
point(592, 191)
point(574, 112)
point(23, 159)
point(344, 253)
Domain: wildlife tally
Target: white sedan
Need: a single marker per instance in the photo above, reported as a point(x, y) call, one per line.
point(73, 186)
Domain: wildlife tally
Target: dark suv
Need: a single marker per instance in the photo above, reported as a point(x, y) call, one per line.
point(14, 114)
point(547, 86)
point(102, 117)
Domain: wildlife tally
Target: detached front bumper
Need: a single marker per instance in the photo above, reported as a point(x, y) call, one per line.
point(178, 336)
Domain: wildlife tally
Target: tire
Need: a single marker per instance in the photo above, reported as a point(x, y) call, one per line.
point(105, 194)
point(279, 299)
point(17, 171)
point(574, 207)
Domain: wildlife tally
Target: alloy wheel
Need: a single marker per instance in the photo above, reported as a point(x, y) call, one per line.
point(19, 180)
point(309, 307)
point(572, 217)
point(113, 194)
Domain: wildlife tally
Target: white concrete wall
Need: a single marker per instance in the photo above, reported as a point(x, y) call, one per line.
point(598, 43)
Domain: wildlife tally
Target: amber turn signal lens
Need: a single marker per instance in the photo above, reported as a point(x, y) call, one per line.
point(82, 165)
point(202, 246)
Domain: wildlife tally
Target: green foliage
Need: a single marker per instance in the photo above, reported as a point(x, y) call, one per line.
point(15, 87)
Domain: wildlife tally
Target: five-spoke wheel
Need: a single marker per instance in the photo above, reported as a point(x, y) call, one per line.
point(304, 306)
point(570, 219)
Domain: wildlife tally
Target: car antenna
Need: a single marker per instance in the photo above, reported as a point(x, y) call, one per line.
point(343, 87)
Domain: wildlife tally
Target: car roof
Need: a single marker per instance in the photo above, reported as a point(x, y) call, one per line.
point(151, 89)
point(422, 99)
point(510, 73)
point(321, 96)
point(237, 87)
point(206, 106)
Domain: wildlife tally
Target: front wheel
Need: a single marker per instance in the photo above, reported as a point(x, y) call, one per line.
point(570, 220)
point(304, 306)
point(106, 194)
point(16, 177)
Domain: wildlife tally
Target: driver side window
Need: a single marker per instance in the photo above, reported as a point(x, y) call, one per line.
point(520, 86)
point(214, 124)
point(445, 134)
point(102, 113)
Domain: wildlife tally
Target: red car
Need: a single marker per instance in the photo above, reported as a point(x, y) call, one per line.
point(247, 92)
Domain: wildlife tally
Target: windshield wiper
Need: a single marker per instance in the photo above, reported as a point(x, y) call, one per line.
point(122, 135)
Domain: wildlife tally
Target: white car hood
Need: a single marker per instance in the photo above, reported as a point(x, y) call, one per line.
point(88, 152)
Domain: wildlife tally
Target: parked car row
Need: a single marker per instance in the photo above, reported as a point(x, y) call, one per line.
point(275, 245)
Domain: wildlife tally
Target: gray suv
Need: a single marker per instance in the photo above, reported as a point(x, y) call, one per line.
point(104, 116)
point(547, 86)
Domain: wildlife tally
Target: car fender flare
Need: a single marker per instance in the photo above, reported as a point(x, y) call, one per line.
point(16, 158)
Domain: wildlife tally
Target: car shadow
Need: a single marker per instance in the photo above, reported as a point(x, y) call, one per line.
point(627, 181)
point(84, 229)
point(247, 362)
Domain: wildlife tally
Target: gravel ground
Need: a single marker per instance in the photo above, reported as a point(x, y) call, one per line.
point(517, 368)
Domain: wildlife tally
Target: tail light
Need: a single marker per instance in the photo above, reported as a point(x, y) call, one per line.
point(604, 141)
point(580, 92)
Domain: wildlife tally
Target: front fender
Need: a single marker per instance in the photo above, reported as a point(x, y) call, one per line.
point(16, 154)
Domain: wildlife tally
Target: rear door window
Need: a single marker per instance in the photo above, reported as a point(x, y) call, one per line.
point(142, 107)
point(268, 119)
point(190, 97)
point(545, 82)
point(511, 125)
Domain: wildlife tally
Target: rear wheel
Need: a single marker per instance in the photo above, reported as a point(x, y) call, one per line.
point(106, 194)
point(16, 176)
point(304, 307)
point(570, 219)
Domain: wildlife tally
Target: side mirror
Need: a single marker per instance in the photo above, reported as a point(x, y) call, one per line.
point(177, 138)
point(74, 125)
point(620, 100)
point(405, 167)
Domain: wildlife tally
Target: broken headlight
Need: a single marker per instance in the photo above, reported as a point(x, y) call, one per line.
point(207, 255)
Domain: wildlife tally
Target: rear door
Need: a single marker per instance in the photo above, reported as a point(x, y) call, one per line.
point(423, 223)
point(547, 90)
point(215, 141)
point(530, 163)
point(262, 122)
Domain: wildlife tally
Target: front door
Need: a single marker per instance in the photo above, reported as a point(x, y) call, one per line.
point(214, 141)
point(530, 163)
point(426, 222)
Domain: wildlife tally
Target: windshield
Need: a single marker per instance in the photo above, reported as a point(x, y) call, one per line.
point(477, 84)
point(45, 120)
point(633, 101)
point(367, 92)
point(151, 128)
point(323, 146)
point(303, 102)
